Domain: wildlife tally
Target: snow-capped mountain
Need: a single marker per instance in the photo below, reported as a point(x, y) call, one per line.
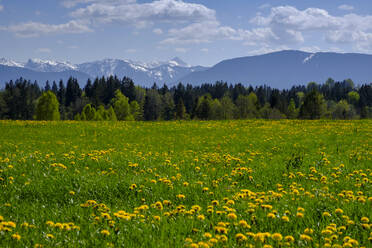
point(144, 74)
point(48, 65)
point(279, 69)
point(8, 62)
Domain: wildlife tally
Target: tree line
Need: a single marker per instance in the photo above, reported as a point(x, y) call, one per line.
point(111, 98)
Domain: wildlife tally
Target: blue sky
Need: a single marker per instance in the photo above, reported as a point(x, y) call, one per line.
point(200, 32)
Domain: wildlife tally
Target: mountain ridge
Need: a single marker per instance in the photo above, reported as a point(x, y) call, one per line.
point(281, 69)
point(144, 74)
point(284, 69)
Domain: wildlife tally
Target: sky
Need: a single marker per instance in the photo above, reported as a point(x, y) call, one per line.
point(200, 32)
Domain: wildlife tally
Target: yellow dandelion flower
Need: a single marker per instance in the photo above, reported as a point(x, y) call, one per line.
point(240, 237)
point(277, 237)
point(289, 239)
point(50, 236)
point(326, 214)
point(207, 235)
point(339, 211)
point(232, 216)
point(16, 236)
point(105, 232)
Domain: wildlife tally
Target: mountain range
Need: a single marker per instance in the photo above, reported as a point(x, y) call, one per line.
point(278, 69)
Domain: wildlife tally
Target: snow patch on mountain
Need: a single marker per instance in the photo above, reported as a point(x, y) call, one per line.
point(142, 73)
point(48, 65)
point(8, 62)
point(307, 59)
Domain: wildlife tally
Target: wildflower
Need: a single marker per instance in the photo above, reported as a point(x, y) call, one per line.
point(159, 205)
point(299, 215)
point(188, 240)
point(180, 196)
point(326, 214)
point(339, 211)
point(232, 216)
point(213, 241)
point(201, 217)
point(300, 209)
point(105, 232)
point(16, 236)
point(285, 218)
point(364, 219)
point(271, 215)
point(156, 217)
point(306, 237)
point(207, 235)
point(50, 223)
point(289, 239)
point(50, 236)
point(277, 237)
point(244, 224)
point(223, 238)
point(240, 237)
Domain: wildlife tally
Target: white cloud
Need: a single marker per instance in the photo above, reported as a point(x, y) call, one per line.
point(203, 32)
point(143, 14)
point(1, 8)
point(204, 50)
point(157, 31)
point(290, 25)
point(35, 29)
point(43, 50)
point(73, 47)
point(265, 49)
point(73, 3)
point(264, 6)
point(346, 7)
point(311, 49)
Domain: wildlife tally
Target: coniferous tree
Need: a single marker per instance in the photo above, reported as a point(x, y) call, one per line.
point(55, 88)
point(203, 109)
point(152, 105)
point(313, 106)
point(180, 110)
point(47, 86)
point(168, 107)
point(73, 91)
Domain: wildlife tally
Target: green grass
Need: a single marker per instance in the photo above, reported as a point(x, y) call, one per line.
point(49, 170)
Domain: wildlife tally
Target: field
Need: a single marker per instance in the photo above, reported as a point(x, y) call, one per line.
point(186, 184)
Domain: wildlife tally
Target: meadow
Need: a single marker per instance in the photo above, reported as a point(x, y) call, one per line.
point(248, 183)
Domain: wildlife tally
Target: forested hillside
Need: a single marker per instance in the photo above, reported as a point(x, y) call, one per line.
point(112, 98)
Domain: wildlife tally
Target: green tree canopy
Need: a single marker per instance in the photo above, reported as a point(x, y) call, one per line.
point(313, 107)
point(121, 106)
point(47, 107)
